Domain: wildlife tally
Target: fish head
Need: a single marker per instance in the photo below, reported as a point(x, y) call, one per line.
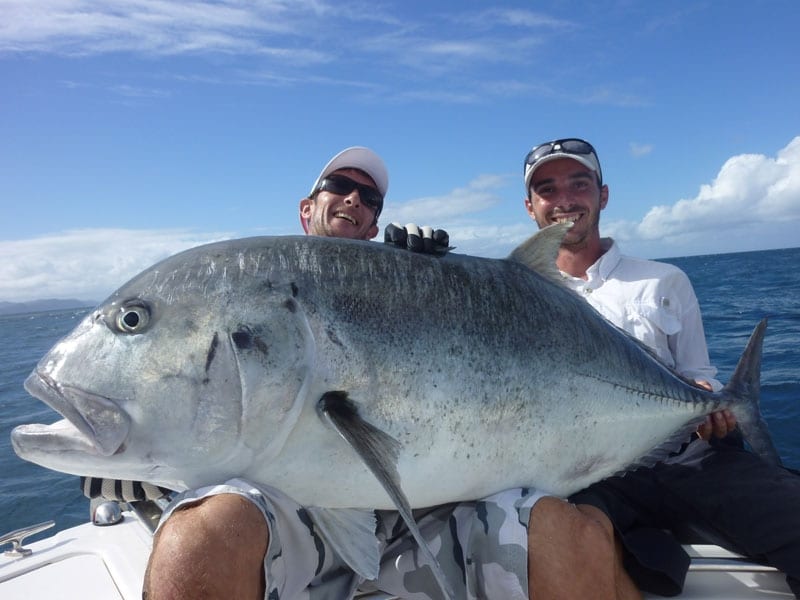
point(176, 379)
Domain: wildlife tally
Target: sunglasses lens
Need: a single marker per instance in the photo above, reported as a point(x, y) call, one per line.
point(576, 146)
point(370, 197)
point(337, 185)
point(569, 146)
point(342, 186)
point(538, 152)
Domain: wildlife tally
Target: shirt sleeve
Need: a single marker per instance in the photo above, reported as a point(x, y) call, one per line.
point(688, 344)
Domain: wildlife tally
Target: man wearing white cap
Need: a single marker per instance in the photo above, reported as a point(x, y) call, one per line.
point(212, 541)
point(347, 197)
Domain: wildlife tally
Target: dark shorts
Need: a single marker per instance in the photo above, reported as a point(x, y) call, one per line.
point(718, 494)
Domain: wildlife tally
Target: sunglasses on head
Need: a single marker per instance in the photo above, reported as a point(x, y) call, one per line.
point(342, 186)
point(565, 146)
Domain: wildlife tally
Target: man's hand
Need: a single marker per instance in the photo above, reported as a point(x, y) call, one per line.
point(720, 423)
point(411, 237)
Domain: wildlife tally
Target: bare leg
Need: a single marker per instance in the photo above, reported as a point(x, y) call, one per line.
point(213, 549)
point(572, 554)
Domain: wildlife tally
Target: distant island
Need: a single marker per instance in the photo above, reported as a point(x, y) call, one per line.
point(14, 308)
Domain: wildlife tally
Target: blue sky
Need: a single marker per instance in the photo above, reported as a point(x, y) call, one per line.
point(133, 129)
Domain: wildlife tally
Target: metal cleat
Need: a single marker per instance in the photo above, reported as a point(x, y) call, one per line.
point(16, 537)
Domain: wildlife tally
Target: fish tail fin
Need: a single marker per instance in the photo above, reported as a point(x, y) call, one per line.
point(745, 387)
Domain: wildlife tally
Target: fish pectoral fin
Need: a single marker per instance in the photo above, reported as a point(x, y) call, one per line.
point(379, 452)
point(351, 532)
point(376, 448)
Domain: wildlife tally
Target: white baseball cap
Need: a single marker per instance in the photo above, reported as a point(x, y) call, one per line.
point(574, 148)
point(361, 158)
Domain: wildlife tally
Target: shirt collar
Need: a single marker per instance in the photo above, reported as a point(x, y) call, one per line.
point(606, 264)
point(601, 269)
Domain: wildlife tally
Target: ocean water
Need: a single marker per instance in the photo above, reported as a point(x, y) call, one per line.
point(735, 292)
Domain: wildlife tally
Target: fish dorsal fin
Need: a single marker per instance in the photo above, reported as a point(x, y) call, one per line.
point(379, 451)
point(539, 252)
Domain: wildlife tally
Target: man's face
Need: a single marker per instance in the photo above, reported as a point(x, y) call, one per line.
point(335, 215)
point(565, 190)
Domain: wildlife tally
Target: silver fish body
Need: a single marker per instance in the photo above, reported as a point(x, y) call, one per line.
point(484, 374)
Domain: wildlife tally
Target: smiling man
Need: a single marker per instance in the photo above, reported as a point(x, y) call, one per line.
point(717, 490)
point(347, 197)
point(564, 183)
point(214, 542)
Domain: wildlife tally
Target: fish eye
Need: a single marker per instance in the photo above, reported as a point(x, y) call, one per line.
point(133, 318)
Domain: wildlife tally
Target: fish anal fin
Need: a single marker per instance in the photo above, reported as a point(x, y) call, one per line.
point(670, 446)
point(351, 532)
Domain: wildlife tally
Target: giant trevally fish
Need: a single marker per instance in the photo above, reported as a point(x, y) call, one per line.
point(353, 374)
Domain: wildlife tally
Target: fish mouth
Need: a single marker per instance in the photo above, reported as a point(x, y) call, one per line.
point(92, 424)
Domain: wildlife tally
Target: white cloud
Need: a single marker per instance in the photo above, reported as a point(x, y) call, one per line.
point(437, 58)
point(520, 18)
point(479, 194)
point(638, 149)
point(150, 26)
point(749, 188)
point(86, 264)
point(465, 214)
point(492, 241)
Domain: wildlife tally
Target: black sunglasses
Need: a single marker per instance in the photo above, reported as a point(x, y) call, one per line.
point(341, 186)
point(565, 146)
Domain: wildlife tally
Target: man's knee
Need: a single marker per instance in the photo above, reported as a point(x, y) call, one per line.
point(553, 519)
point(595, 526)
point(207, 549)
point(572, 554)
point(228, 521)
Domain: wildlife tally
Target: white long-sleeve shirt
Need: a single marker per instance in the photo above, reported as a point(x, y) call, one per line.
point(654, 302)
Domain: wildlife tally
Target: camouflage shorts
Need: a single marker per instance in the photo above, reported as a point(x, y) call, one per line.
point(481, 546)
